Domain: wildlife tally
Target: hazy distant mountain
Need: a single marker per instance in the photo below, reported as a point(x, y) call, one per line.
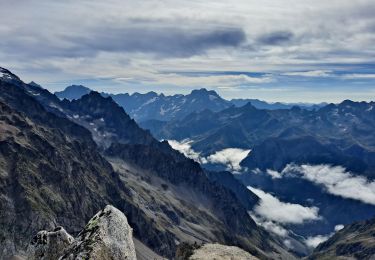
point(73, 92)
point(153, 106)
point(290, 150)
point(347, 128)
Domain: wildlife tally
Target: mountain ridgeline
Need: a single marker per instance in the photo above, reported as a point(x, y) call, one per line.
point(159, 107)
point(62, 161)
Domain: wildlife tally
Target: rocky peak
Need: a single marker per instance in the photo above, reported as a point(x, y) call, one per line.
point(203, 92)
point(6, 75)
point(73, 92)
point(106, 236)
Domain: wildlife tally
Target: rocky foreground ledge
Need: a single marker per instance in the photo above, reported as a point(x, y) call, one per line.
point(108, 236)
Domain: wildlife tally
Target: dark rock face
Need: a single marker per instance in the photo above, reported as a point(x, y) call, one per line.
point(244, 195)
point(355, 241)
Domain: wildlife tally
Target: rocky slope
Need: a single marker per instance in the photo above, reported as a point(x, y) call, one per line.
point(355, 241)
point(53, 173)
point(107, 235)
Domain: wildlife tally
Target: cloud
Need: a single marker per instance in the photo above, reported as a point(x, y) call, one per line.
point(316, 240)
point(359, 76)
point(184, 147)
point(311, 73)
point(270, 226)
point(230, 157)
point(140, 40)
point(170, 41)
point(272, 209)
point(336, 180)
point(276, 38)
point(338, 227)
point(274, 174)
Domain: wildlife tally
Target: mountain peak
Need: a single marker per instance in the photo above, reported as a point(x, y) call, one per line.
point(203, 91)
point(7, 75)
point(73, 92)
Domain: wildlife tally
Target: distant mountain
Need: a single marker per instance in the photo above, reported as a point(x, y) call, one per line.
point(73, 92)
point(355, 241)
point(341, 135)
point(345, 129)
point(153, 106)
point(273, 106)
point(148, 106)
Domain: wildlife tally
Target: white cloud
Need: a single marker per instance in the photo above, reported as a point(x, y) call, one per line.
point(316, 240)
point(338, 227)
point(270, 225)
point(184, 147)
point(311, 73)
point(359, 76)
point(274, 174)
point(271, 208)
point(230, 157)
point(336, 180)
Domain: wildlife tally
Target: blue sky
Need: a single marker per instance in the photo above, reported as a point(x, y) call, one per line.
point(316, 51)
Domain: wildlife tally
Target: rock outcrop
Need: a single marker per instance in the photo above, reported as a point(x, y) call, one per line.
point(106, 236)
point(49, 244)
point(220, 252)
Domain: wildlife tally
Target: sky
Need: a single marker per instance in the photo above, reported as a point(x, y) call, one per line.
point(274, 50)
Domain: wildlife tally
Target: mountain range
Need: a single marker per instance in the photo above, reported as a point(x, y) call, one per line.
point(153, 106)
point(317, 159)
point(62, 161)
point(274, 182)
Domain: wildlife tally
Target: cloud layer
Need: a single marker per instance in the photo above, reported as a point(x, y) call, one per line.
point(336, 180)
point(309, 52)
point(271, 208)
point(230, 157)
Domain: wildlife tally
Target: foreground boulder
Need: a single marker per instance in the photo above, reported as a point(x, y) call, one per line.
point(220, 252)
point(106, 236)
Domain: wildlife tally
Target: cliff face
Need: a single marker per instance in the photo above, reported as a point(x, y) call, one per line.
point(106, 236)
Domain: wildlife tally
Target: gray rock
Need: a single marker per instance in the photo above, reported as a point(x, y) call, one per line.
point(49, 244)
point(221, 252)
point(106, 236)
